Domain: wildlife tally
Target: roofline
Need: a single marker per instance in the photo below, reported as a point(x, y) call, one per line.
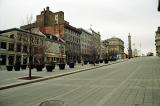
point(85, 31)
point(115, 38)
point(17, 29)
point(72, 28)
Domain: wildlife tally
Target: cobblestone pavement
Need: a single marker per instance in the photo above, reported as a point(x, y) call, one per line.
point(132, 83)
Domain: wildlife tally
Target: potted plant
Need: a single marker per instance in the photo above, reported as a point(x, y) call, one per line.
point(71, 64)
point(62, 65)
point(17, 66)
point(39, 65)
point(101, 60)
point(39, 58)
point(105, 61)
point(97, 61)
point(85, 62)
point(24, 65)
point(9, 67)
point(50, 66)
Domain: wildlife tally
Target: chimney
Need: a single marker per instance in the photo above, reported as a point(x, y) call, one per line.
point(47, 8)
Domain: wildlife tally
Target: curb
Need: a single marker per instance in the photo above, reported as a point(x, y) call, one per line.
point(55, 76)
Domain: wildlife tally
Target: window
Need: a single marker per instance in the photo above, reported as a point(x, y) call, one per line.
point(24, 48)
point(12, 36)
point(3, 60)
point(3, 45)
point(10, 60)
point(11, 47)
point(35, 50)
point(18, 60)
point(24, 60)
point(18, 48)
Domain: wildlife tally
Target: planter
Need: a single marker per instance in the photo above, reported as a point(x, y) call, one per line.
point(91, 62)
point(50, 67)
point(79, 61)
point(101, 61)
point(97, 61)
point(17, 67)
point(32, 66)
point(71, 65)
point(23, 66)
point(43, 65)
point(39, 67)
point(9, 67)
point(61, 66)
point(106, 61)
point(85, 62)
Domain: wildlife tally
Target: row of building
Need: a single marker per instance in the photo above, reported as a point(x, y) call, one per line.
point(59, 39)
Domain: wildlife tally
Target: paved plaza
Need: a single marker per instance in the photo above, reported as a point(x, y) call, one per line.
point(135, 82)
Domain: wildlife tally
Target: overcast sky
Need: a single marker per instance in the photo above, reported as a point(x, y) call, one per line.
point(109, 17)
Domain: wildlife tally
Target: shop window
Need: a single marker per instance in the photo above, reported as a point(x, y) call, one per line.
point(3, 60)
point(3, 45)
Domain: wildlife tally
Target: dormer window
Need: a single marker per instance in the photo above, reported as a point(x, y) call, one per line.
point(12, 36)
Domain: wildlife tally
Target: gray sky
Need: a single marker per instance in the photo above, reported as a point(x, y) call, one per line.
point(109, 17)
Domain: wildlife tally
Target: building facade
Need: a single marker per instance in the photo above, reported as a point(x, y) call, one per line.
point(96, 45)
point(104, 49)
point(15, 46)
point(72, 43)
point(115, 48)
point(86, 44)
point(157, 42)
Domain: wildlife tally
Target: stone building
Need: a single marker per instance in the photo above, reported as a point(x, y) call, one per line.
point(54, 46)
point(15, 44)
point(157, 42)
point(96, 45)
point(86, 44)
point(72, 43)
point(115, 48)
point(53, 23)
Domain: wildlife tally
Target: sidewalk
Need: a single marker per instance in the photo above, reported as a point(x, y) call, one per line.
point(9, 79)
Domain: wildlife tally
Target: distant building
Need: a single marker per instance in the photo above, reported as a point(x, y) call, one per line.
point(104, 49)
point(96, 45)
point(15, 44)
point(115, 48)
point(157, 42)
